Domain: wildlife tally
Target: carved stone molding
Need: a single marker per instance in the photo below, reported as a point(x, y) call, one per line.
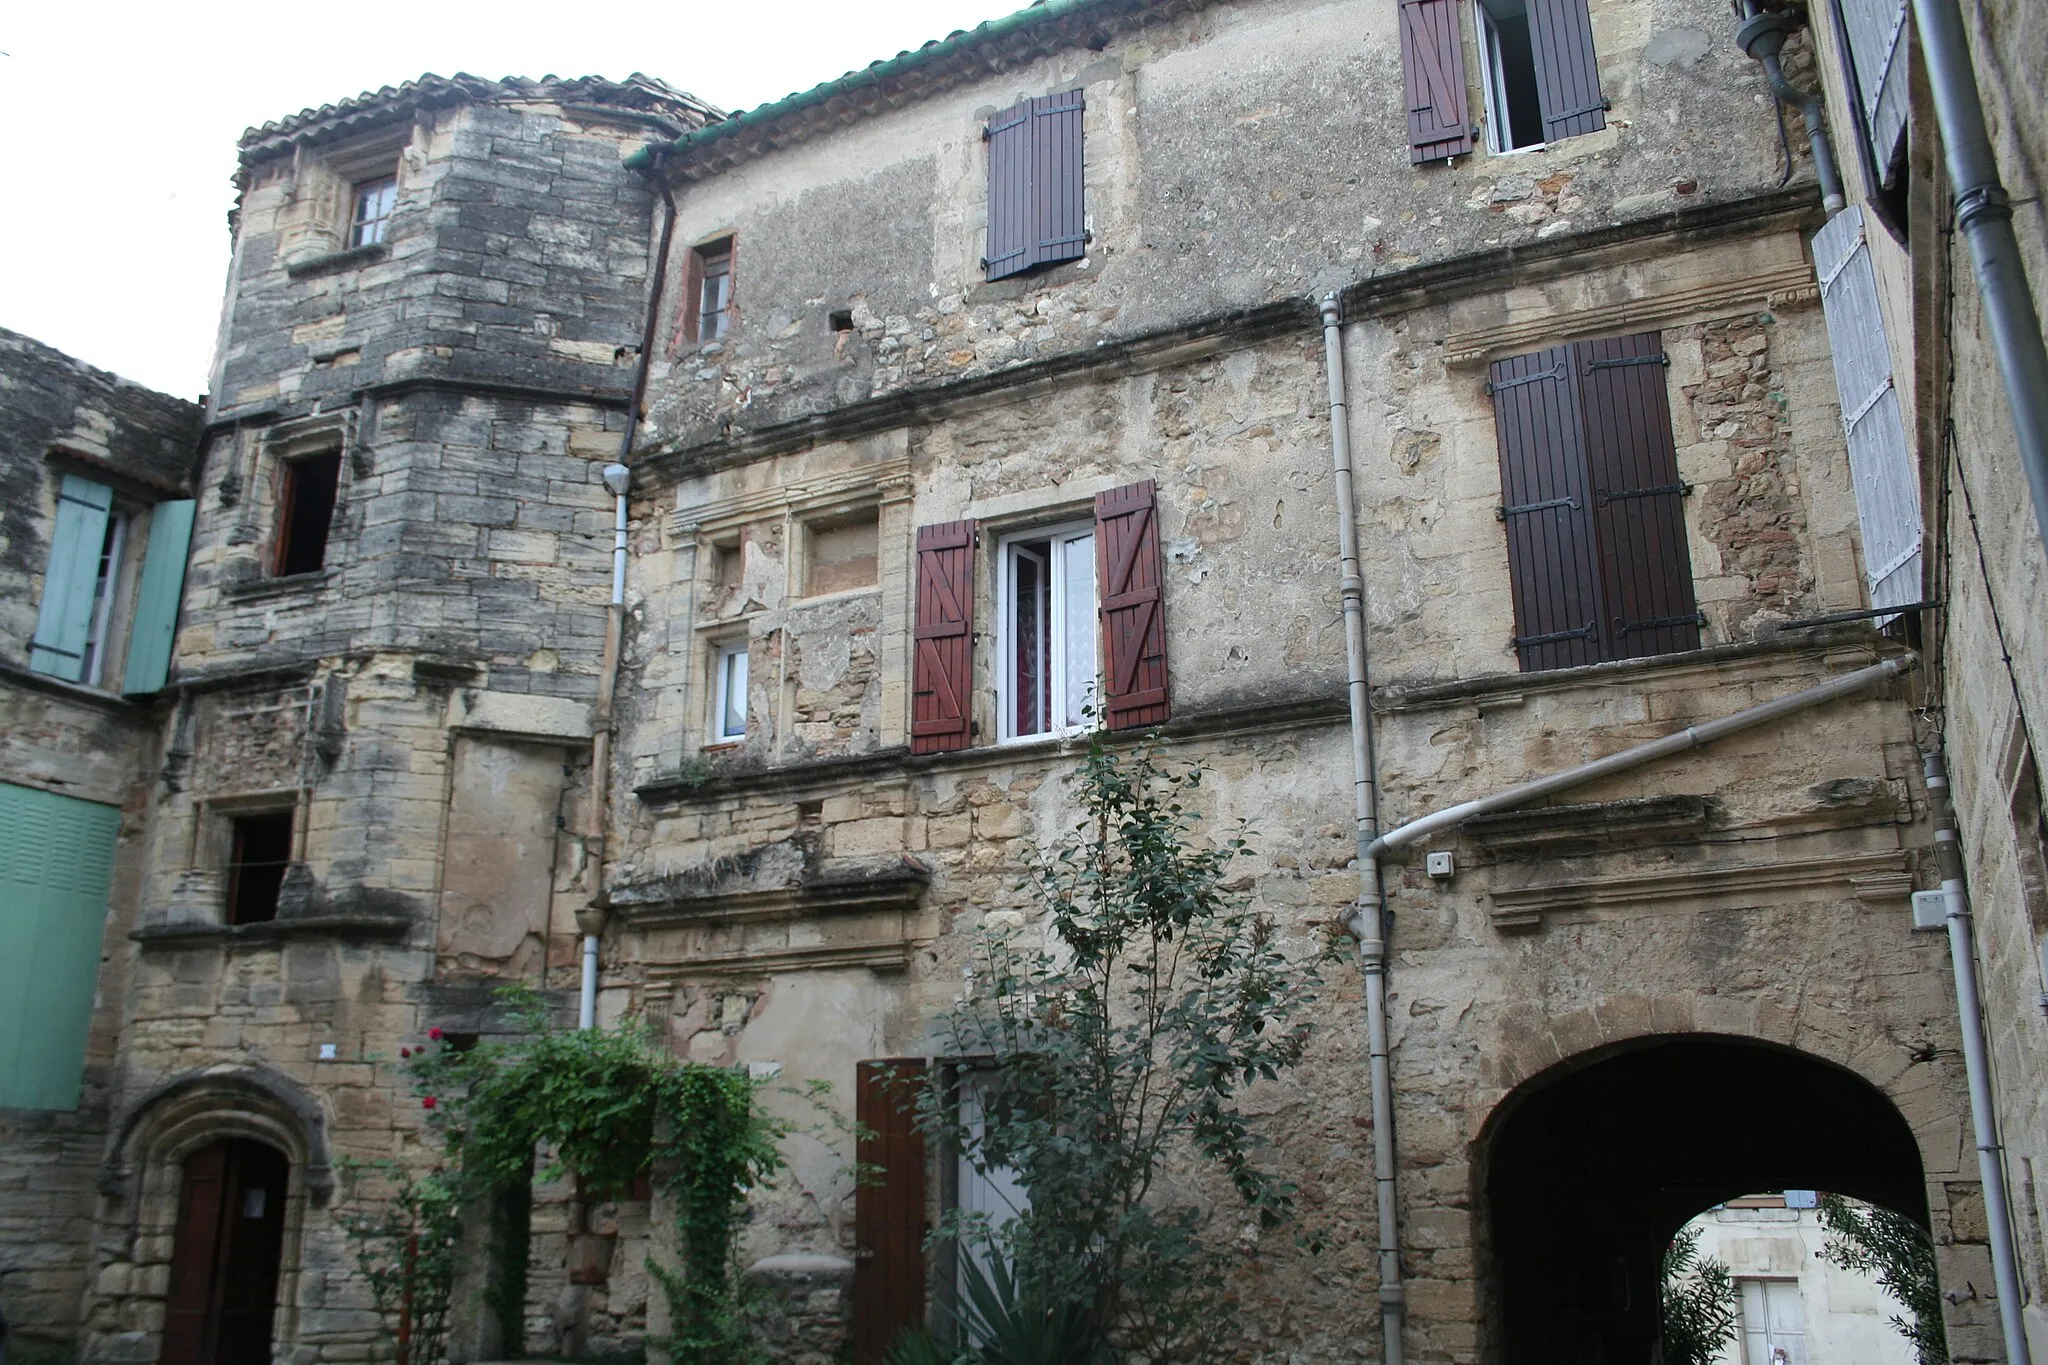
point(1726, 886)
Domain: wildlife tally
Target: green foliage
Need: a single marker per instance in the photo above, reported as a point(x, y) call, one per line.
point(405, 1249)
point(1701, 1311)
point(1898, 1252)
point(1125, 1045)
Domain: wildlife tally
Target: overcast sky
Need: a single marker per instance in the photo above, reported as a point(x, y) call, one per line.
point(121, 116)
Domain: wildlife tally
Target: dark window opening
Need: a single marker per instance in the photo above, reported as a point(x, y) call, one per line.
point(841, 321)
point(714, 298)
point(256, 864)
point(374, 201)
point(305, 508)
point(1508, 58)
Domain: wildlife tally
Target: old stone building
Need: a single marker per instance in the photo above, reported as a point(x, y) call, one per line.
point(1039, 373)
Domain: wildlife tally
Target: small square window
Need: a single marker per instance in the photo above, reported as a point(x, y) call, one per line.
point(1046, 632)
point(1507, 65)
point(261, 849)
point(305, 510)
point(729, 693)
point(374, 201)
point(714, 293)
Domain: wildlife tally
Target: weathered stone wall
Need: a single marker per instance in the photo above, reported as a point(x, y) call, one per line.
point(1236, 155)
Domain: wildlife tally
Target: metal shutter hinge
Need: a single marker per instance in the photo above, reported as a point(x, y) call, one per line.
point(1621, 627)
point(1584, 632)
point(1503, 513)
point(1607, 495)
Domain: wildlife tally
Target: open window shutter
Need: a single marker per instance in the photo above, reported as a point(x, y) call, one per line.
point(1547, 508)
point(1876, 38)
point(888, 1209)
point(943, 669)
point(1567, 72)
point(1059, 231)
point(1433, 79)
point(156, 602)
point(690, 301)
point(1130, 574)
point(1010, 220)
point(64, 624)
point(1880, 463)
point(1638, 516)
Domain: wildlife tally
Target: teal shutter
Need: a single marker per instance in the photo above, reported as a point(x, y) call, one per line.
point(56, 863)
point(65, 623)
point(156, 603)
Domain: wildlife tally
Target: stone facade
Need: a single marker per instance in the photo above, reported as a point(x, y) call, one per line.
point(799, 893)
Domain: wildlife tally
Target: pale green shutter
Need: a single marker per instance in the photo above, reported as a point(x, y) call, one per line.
point(156, 603)
point(56, 862)
point(65, 623)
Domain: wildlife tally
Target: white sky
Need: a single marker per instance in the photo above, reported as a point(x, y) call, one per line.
point(118, 121)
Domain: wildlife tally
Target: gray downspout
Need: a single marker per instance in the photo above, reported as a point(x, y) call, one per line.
point(1369, 917)
point(1762, 35)
point(1984, 214)
point(1962, 951)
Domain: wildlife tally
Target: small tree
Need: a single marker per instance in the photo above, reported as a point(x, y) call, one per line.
point(1701, 1313)
point(1876, 1241)
point(1119, 1047)
point(405, 1249)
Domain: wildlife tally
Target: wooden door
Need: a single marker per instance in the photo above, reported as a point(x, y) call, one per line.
point(888, 1208)
point(225, 1255)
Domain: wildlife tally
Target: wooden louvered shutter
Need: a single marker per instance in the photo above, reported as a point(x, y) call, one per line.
point(690, 302)
point(1130, 575)
point(1009, 191)
point(1433, 80)
point(942, 672)
point(156, 601)
point(888, 1208)
point(1552, 564)
point(1880, 461)
point(1638, 517)
point(1567, 72)
point(64, 623)
point(1876, 39)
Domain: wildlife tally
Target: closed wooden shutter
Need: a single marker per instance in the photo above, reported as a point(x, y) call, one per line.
point(1567, 71)
point(1547, 509)
point(689, 304)
point(1876, 39)
point(888, 1208)
point(942, 671)
point(1131, 574)
point(1036, 214)
point(1433, 80)
point(1638, 512)
point(156, 601)
point(56, 863)
point(64, 622)
point(1880, 461)
point(189, 1320)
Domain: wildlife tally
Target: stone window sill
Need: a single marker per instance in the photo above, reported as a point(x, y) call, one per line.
point(253, 589)
point(345, 259)
point(274, 931)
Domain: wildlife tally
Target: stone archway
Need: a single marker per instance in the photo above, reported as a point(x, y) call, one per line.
point(1588, 1169)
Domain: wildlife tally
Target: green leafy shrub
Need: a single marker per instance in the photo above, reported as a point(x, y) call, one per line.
point(1701, 1312)
point(1876, 1241)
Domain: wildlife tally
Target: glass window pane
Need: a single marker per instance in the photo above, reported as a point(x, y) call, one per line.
point(1030, 643)
point(732, 721)
point(1078, 632)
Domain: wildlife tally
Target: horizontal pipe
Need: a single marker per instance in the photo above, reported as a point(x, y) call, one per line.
point(1691, 737)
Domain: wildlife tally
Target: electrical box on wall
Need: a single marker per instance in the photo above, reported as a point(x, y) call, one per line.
point(1930, 910)
point(1439, 865)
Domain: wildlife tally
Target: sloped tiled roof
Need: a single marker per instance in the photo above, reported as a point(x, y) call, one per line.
point(376, 108)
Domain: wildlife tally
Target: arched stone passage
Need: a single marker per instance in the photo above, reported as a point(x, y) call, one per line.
point(1590, 1167)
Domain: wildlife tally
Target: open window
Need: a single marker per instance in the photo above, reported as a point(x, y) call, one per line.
point(1538, 73)
point(729, 692)
point(259, 851)
point(305, 511)
point(91, 594)
point(705, 311)
point(1046, 634)
point(373, 202)
point(1507, 65)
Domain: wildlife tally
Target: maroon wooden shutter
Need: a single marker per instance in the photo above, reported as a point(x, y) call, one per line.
point(1638, 519)
point(1433, 79)
point(195, 1250)
point(1567, 71)
point(253, 1250)
point(888, 1208)
point(1129, 575)
point(1009, 191)
point(691, 300)
point(942, 672)
point(1547, 508)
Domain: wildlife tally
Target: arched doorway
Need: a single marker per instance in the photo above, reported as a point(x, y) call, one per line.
point(1591, 1167)
point(225, 1255)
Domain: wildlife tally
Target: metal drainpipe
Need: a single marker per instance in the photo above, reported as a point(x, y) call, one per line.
point(1962, 950)
point(1369, 919)
point(1762, 35)
point(618, 477)
point(1984, 213)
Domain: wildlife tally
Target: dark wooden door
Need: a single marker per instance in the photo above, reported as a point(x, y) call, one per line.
point(225, 1255)
point(888, 1208)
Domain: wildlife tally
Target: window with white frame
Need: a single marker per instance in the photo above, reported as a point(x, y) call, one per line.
point(729, 692)
point(1046, 631)
point(374, 201)
point(1507, 66)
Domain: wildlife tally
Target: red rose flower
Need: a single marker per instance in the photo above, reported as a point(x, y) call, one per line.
point(427, 1103)
point(435, 1034)
point(405, 1052)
